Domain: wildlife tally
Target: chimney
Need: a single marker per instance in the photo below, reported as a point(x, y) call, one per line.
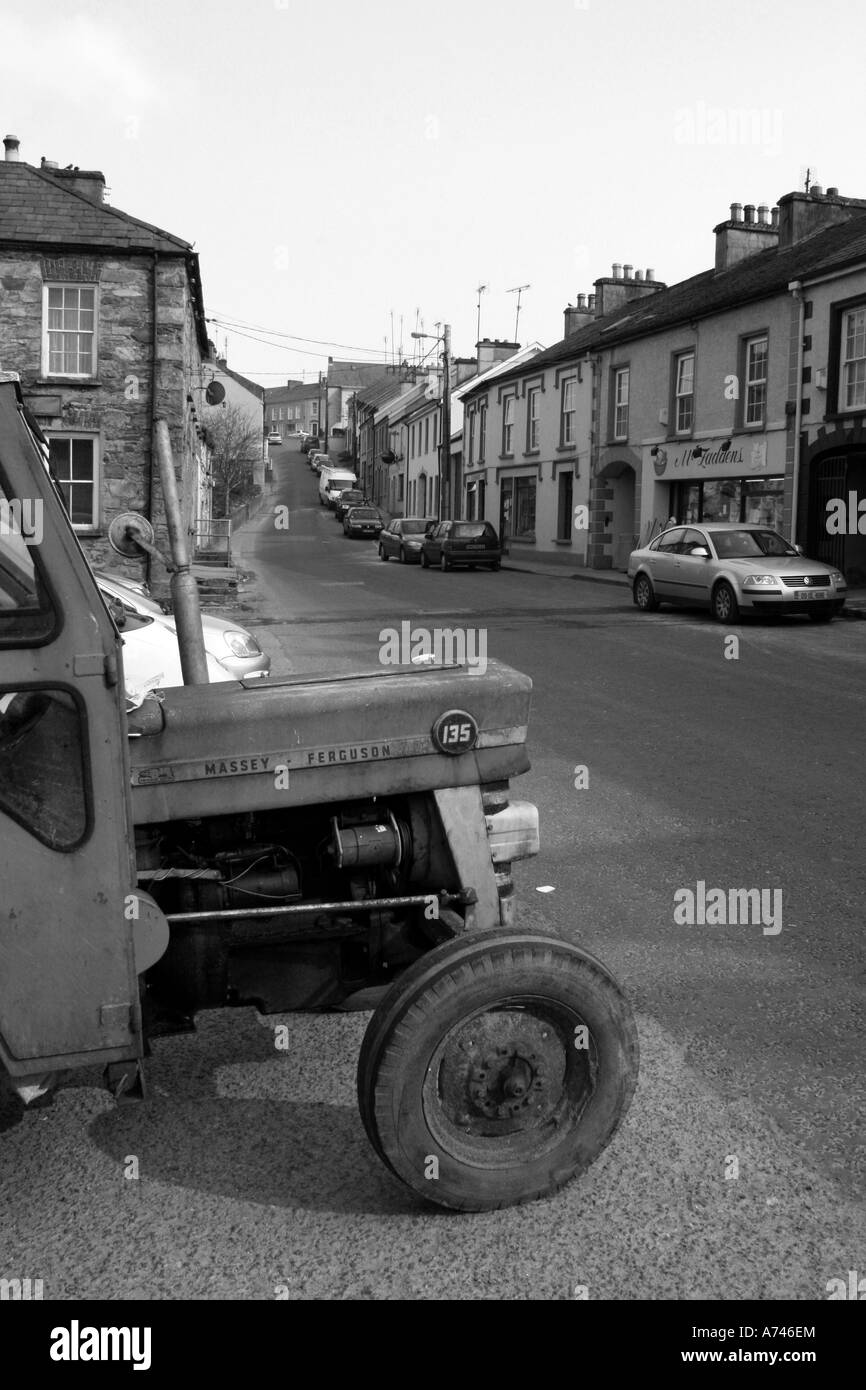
point(650, 275)
point(638, 275)
point(577, 318)
point(491, 351)
point(11, 143)
point(627, 272)
point(611, 293)
point(801, 214)
point(743, 235)
point(90, 183)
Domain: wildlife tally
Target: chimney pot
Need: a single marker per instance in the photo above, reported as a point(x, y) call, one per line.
point(833, 192)
point(638, 275)
point(617, 270)
point(774, 218)
point(763, 214)
point(590, 302)
point(627, 271)
point(817, 191)
point(11, 143)
point(581, 302)
point(650, 274)
point(749, 213)
point(736, 212)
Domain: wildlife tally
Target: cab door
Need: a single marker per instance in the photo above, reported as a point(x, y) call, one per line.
point(69, 906)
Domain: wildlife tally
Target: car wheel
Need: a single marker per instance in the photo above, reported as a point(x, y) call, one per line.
point(725, 608)
point(402, 556)
point(425, 563)
point(494, 565)
point(382, 555)
point(822, 617)
point(443, 562)
point(644, 595)
point(508, 1057)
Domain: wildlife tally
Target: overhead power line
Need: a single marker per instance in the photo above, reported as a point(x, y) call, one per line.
point(235, 325)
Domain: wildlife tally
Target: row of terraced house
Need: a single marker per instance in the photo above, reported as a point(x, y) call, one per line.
point(736, 395)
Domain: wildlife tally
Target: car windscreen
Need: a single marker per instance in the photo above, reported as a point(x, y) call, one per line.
point(363, 514)
point(414, 528)
point(749, 545)
point(472, 530)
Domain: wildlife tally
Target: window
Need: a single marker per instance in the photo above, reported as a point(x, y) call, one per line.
point(470, 438)
point(26, 611)
point(533, 417)
point(517, 507)
point(482, 431)
point(70, 330)
point(567, 412)
point(42, 772)
point(508, 425)
point(314, 409)
point(684, 392)
point(756, 380)
point(620, 403)
point(852, 394)
point(427, 435)
point(73, 466)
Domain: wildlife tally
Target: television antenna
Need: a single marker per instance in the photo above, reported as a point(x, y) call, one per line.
point(518, 290)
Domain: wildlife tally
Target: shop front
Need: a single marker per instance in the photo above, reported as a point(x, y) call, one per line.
point(741, 480)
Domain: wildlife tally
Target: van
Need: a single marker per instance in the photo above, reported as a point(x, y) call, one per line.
point(333, 481)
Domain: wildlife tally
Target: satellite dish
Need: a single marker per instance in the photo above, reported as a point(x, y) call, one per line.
point(125, 529)
point(215, 393)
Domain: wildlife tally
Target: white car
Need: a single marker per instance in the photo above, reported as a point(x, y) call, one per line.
point(227, 642)
point(151, 658)
point(275, 437)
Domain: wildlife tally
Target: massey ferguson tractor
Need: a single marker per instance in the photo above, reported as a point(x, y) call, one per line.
point(297, 843)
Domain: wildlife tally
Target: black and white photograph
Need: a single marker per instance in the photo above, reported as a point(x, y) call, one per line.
point(473, 398)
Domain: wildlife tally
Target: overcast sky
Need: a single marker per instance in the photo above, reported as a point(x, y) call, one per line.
point(335, 162)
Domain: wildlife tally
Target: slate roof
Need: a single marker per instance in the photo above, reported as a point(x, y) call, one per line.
point(712, 292)
point(36, 209)
point(354, 376)
point(289, 395)
point(251, 386)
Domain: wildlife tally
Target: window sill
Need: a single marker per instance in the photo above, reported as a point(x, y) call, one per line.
point(566, 449)
point(522, 540)
point(566, 543)
point(531, 453)
point(88, 381)
point(840, 415)
point(505, 458)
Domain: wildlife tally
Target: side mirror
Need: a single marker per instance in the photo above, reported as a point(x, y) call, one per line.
point(701, 551)
point(118, 612)
point(799, 549)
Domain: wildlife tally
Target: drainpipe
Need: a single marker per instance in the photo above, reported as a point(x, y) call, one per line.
point(796, 289)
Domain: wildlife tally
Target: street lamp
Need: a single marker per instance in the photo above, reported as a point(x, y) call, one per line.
point(444, 484)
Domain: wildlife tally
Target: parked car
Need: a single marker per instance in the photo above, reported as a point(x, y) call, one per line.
point(275, 437)
point(352, 497)
point(151, 656)
point(362, 521)
point(730, 567)
point(402, 538)
point(309, 442)
point(318, 461)
point(225, 641)
point(470, 543)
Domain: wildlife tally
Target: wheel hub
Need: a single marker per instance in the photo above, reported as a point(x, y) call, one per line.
point(504, 1068)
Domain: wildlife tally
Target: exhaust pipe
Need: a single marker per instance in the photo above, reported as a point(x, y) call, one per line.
point(184, 592)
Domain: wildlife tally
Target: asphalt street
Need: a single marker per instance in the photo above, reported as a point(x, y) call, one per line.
point(739, 1171)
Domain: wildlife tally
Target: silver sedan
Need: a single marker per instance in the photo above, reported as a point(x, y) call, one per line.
point(729, 567)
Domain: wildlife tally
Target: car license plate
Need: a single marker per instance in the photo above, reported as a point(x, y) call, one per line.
point(809, 593)
point(475, 545)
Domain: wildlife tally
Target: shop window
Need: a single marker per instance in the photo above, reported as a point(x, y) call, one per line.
point(517, 507)
point(42, 774)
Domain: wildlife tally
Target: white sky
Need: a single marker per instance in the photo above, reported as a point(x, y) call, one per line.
point(333, 162)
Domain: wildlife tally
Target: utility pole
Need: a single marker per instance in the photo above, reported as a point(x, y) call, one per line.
point(518, 290)
point(327, 403)
point(444, 509)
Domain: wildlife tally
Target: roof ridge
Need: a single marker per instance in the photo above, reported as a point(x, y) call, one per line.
point(106, 208)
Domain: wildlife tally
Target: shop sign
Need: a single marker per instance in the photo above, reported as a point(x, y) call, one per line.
point(751, 458)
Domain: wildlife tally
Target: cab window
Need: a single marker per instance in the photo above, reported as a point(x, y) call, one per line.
point(42, 774)
point(27, 616)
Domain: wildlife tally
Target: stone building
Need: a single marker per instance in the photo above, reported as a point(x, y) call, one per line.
point(102, 317)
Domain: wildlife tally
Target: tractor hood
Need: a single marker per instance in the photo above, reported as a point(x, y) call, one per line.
point(206, 750)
